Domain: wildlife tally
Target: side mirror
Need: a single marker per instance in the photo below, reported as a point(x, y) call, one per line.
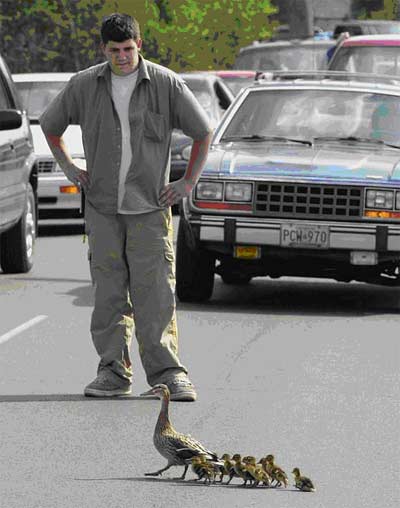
point(10, 119)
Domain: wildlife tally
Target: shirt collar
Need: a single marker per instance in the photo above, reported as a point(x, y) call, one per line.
point(105, 71)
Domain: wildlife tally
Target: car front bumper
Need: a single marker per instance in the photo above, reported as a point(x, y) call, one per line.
point(53, 202)
point(268, 232)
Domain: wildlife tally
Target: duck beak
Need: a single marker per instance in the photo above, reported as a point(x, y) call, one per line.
point(149, 393)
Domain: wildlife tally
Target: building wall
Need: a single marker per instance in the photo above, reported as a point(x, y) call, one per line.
point(327, 12)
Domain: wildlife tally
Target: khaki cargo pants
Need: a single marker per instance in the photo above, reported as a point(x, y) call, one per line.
point(133, 270)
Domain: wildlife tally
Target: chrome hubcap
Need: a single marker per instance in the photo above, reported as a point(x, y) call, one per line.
point(30, 232)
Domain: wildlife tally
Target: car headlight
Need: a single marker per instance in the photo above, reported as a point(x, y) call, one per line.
point(382, 199)
point(210, 191)
point(238, 192)
point(397, 200)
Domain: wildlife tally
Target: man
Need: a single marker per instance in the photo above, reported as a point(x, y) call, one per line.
point(127, 108)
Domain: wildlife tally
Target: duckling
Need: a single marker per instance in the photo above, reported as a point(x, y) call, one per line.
point(302, 482)
point(231, 469)
point(257, 472)
point(275, 472)
point(228, 463)
point(210, 471)
point(260, 476)
point(203, 468)
point(241, 471)
point(176, 447)
point(197, 466)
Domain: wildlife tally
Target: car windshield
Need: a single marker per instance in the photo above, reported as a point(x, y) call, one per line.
point(37, 95)
point(370, 59)
point(285, 58)
point(237, 83)
point(305, 114)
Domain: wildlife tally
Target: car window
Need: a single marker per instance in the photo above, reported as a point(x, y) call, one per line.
point(237, 83)
point(286, 58)
point(305, 114)
point(3, 96)
point(37, 95)
point(206, 97)
point(370, 59)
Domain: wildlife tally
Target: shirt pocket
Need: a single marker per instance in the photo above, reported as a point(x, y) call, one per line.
point(154, 126)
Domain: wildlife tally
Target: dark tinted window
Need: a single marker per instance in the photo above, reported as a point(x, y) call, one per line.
point(4, 104)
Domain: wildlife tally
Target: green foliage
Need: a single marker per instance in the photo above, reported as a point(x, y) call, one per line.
point(196, 34)
point(365, 9)
point(389, 10)
point(51, 35)
point(63, 35)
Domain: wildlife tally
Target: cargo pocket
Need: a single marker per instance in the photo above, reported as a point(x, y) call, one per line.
point(169, 257)
point(154, 126)
point(169, 251)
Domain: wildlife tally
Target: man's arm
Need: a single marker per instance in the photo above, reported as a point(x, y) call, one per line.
point(64, 159)
point(173, 192)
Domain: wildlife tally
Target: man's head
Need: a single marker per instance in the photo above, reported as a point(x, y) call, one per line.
point(121, 42)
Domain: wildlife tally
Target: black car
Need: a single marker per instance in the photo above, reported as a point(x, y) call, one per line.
point(18, 181)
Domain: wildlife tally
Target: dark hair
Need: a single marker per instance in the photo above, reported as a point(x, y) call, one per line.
point(119, 27)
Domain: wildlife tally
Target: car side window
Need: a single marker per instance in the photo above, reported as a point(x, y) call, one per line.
point(3, 96)
point(224, 100)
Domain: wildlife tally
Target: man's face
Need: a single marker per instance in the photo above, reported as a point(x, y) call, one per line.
point(123, 56)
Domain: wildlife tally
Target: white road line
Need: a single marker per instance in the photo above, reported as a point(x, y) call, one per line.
point(15, 331)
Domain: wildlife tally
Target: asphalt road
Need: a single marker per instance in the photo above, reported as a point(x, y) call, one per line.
point(306, 370)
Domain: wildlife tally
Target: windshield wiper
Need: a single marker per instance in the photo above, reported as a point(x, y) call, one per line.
point(356, 139)
point(258, 137)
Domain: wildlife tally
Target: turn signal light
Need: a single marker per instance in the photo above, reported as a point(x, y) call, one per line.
point(381, 214)
point(69, 189)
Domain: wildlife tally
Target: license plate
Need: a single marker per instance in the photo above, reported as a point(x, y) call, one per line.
point(303, 235)
point(247, 252)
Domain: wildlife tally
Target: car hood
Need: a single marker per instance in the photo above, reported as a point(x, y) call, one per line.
point(72, 138)
point(319, 163)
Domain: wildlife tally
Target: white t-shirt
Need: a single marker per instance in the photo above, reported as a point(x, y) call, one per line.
point(122, 88)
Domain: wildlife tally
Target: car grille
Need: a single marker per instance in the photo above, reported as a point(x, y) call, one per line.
point(308, 201)
point(46, 165)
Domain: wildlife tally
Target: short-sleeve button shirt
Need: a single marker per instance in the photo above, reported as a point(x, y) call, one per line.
point(160, 103)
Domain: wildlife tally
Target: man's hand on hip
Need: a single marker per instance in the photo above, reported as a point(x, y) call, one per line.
point(173, 192)
point(77, 175)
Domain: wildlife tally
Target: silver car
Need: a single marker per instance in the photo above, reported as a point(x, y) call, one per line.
point(302, 179)
point(58, 197)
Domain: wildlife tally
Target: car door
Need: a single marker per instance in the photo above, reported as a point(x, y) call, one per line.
point(12, 162)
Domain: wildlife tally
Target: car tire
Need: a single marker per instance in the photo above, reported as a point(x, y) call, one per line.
point(194, 270)
point(236, 279)
point(17, 244)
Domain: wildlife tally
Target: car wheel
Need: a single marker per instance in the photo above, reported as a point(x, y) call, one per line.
point(238, 279)
point(194, 271)
point(17, 244)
